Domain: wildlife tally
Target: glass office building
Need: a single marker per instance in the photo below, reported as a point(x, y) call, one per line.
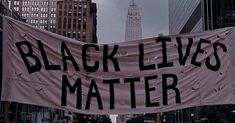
point(199, 15)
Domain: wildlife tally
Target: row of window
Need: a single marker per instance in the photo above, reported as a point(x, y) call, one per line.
point(76, 24)
point(35, 3)
point(43, 9)
point(80, 6)
point(74, 13)
point(16, 8)
point(16, 2)
point(34, 21)
point(42, 21)
point(36, 15)
point(33, 8)
point(43, 27)
point(73, 35)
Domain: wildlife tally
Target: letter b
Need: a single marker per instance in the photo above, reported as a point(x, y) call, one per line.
point(31, 68)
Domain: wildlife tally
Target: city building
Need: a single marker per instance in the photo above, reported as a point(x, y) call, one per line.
point(77, 19)
point(71, 18)
point(185, 15)
point(133, 23)
point(133, 31)
point(38, 13)
point(199, 15)
point(196, 16)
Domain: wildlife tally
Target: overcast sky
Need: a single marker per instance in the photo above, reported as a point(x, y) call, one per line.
point(112, 14)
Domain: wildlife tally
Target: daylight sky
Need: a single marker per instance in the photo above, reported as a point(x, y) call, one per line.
point(112, 14)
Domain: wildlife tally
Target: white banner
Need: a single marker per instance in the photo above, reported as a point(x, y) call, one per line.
point(150, 75)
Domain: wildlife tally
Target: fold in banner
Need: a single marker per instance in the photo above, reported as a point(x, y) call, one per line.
point(143, 76)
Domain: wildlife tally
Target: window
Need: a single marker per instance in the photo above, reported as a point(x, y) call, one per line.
point(16, 8)
point(70, 13)
point(52, 15)
point(45, 3)
point(74, 13)
point(64, 26)
point(16, 2)
point(79, 14)
point(75, 7)
point(79, 26)
point(69, 23)
point(74, 35)
point(60, 13)
point(84, 25)
point(74, 24)
point(53, 9)
point(59, 23)
point(35, 15)
point(44, 15)
point(34, 8)
point(84, 14)
point(53, 21)
point(24, 9)
point(45, 21)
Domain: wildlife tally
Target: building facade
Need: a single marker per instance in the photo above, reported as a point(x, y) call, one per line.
point(71, 18)
point(199, 15)
point(38, 13)
point(133, 23)
point(185, 15)
point(77, 19)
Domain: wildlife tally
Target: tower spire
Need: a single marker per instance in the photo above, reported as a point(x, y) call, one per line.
point(132, 2)
point(133, 23)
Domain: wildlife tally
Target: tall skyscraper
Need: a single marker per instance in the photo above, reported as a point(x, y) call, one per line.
point(133, 32)
point(77, 19)
point(133, 23)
